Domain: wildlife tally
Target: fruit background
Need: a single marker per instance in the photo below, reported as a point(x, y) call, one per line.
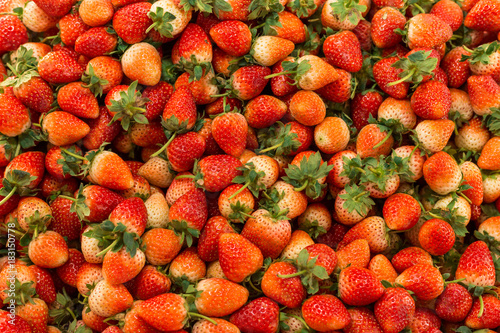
point(254, 166)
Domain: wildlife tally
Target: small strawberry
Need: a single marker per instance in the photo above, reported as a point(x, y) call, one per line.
point(442, 174)
point(263, 308)
point(188, 214)
point(14, 116)
point(484, 313)
point(431, 100)
point(71, 26)
point(325, 313)
point(454, 303)
point(427, 30)
point(373, 230)
point(450, 12)
point(288, 290)
point(384, 22)
point(359, 286)
point(131, 22)
point(268, 50)
point(48, 249)
point(168, 18)
point(156, 252)
point(219, 297)
point(382, 268)
point(184, 150)
point(142, 62)
point(343, 50)
point(96, 42)
point(229, 131)
point(484, 93)
point(102, 74)
point(433, 135)
point(238, 257)
point(364, 105)
point(106, 300)
point(483, 16)
point(436, 237)
point(385, 73)
point(476, 266)
point(44, 288)
point(233, 37)
point(74, 98)
point(409, 257)
point(488, 159)
point(50, 66)
point(101, 130)
point(456, 70)
point(14, 33)
point(188, 266)
point(394, 310)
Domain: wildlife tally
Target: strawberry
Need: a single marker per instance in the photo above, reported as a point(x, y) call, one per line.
point(422, 279)
point(299, 241)
point(96, 12)
point(433, 135)
point(282, 85)
point(343, 15)
point(92, 320)
point(164, 24)
point(33, 214)
point(184, 150)
point(158, 97)
point(373, 141)
point(106, 300)
point(13, 37)
point(48, 250)
point(331, 135)
point(409, 257)
point(102, 74)
point(179, 187)
point(229, 131)
point(101, 130)
point(476, 266)
point(188, 266)
point(454, 303)
point(49, 68)
point(268, 50)
point(14, 116)
point(219, 297)
point(142, 62)
point(156, 171)
point(263, 308)
point(431, 100)
point(238, 257)
point(382, 268)
point(319, 74)
point(236, 202)
point(307, 108)
point(401, 211)
point(36, 20)
point(44, 288)
point(384, 22)
point(472, 136)
point(233, 10)
point(203, 325)
point(63, 128)
point(263, 111)
point(484, 313)
point(24, 275)
point(55, 8)
point(291, 27)
point(471, 175)
point(233, 37)
point(65, 222)
point(33, 310)
point(36, 94)
point(156, 251)
point(325, 313)
point(13, 324)
point(442, 173)
point(188, 214)
point(74, 98)
point(488, 158)
point(450, 12)
point(193, 48)
point(208, 244)
point(150, 283)
point(343, 50)
point(288, 290)
point(394, 310)
point(364, 105)
point(384, 73)
point(362, 318)
point(433, 230)
point(88, 275)
point(216, 172)
point(484, 93)
point(157, 210)
point(483, 16)
point(248, 82)
point(69, 271)
point(71, 26)
point(371, 229)
point(427, 30)
point(123, 265)
point(359, 286)
point(131, 22)
point(356, 254)
point(456, 70)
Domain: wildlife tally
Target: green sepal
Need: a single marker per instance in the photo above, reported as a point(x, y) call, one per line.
point(301, 8)
point(277, 140)
point(23, 293)
point(348, 9)
point(17, 181)
point(416, 66)
point(130, 107)
point(93, 82)
point(259, 9)
point(182, 228)
point(313, 228)
point(161, 22)
point(357, 199)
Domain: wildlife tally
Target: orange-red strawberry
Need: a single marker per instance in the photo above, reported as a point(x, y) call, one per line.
point(382, 268)
point(436, 237)
point(307, 108)
point(362, 319)
point(424, 280)
point(71, 26)
point(484, 93)
point(203, 89)
point(36, 94)
point(100, 202)
point(101, 130)
point(373, 229)
point(456, 70)
point(180, 110)
point(450, 12)
point(343, 50)
point(132, 214)
point(431, 100)
point(425, 320)
point(49, 68)
point(14, 33)
point(384, 73)
point(356, 254)
point(238, 257)
point(373, 142)
point(268, 50)
point(249, 81)
point(401, 211)
point(208, 244)
point(239, 10)
point(219, 297)
point(282, 85)
point(472, 177)
point(35, 311)
point(409, 257)
point(96, 42)
point(122, 266)
point(13, 324)
point(150, 283)
point(325, 313)
point(74, 98)
point(184, 150)
point(264, 110)
point(14, 116)
point(263, 308)
point(48, 250)
point(433, 135)
point(394, 310)
point(63, 128)
point(476, 266)
point(442, 174)
point(188, 266)
point(286, 291)
point(230, 132)
point(88, 275)
point(454, 303)
point(359, 286)
point(141, 62)
point(233, 37)
point(158, 97)
point(189, 214)
point(162, 245)
point(484, 16)
point(107, 169)
point(221, 325)
point(217, 172)
point(427, 30)
point(132, 21)
point(488, 159)
point(102, 74)
point(55, 8)
point(106, 300)
point(291, 27)
point(193, 47)
point(384, 22)
point(485, 313)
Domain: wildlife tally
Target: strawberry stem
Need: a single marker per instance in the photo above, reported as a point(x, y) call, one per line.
point(241, 189)
point(164, 146)
point(271, 148)
point(416, 5)
point(299, 273)
point(67, 197)
point(11, 193)
point(454, 281)
point(383, 140)
point(410, 74)
point(465, 197)
point(481, 307)
point(184, 176)
point(73, 155)
point(103, 252)
point(197, 315)
point(279, 74)
point(303, 187)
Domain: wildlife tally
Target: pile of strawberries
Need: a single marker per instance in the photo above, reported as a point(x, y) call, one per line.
point(253, 166)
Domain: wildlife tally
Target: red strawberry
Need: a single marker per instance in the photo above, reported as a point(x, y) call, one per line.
point(359, 286)
point(208, 244)
point(442, 173)
point(36, 94)
point(422, 279)
point(78, 100)
point(394, 310)
point(109, 170)
point(45, 288)
point(101, 130)
point(450, 12)
point(488, 159)
point(96, 42)
point(14, 33)
point(384, 22)
point(364, 105)
point(484, 93)
point(431, 100)
point(233, 37)
point(263, 308)
point(362, 319)
point(71, 26)
point(48, 250)
point(66, 222)
point(249, 81)
point(287, 291)
point(218, 172)
point(456, 70)
point(150, 283)
point(484, 16)
point(132, 21)
point(103, 74)
point(230, 131)
point(384, 73)
point(162, 245)
point(263, 111)
point(427, 30)
point(184, 150)
point(476, 266)
point(291, 27)
point(193, 43)
point(238, 257)
point(13, 324)
point(50, 68)
point(325, 313)
point(344, 51)
point(436, 237)
point(69, 271)
point(55, 8)
point(454, 303)
point(472, 177)
point(158, 97)
point(485, 312)
point(180, 110)
point(188, 266)
point(401, 211)
point(63, 128)
point(122, 266)
point(14, 116)
point(189, 214)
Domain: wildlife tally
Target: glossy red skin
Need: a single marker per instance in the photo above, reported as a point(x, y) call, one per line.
point(68, 272)
point(264, 309)
point(100, 201)
point(218, 171)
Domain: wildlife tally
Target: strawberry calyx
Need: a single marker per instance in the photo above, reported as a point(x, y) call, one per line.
point(465, 329)
point(418, 6)
point(415, 67)
point(306, 176)
point(23, 67)
point(284, 316)
point(129, 108)
point(79, 206)
point(259, 9)
point(206, 6)
point(392, 127)
point(250, 178)
point(93, 82)
point(301, 8)
point(480, 54)
point(197, 70)
point(309, 272)
point(240, 212)
point(24, 293)
point(357, 199)
point(269, 201)
point(479, 291)
point(181, 227)
point(449, 215)
point(113, 238)
point(16, 182)
point(492, 121)
point(296, 69)
point(75, 327)
point(71, 161)
point(348, 9)
point(63, 310)
point(277, 140)
point(37, 224)
point(161, 22)
point(13, 146)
